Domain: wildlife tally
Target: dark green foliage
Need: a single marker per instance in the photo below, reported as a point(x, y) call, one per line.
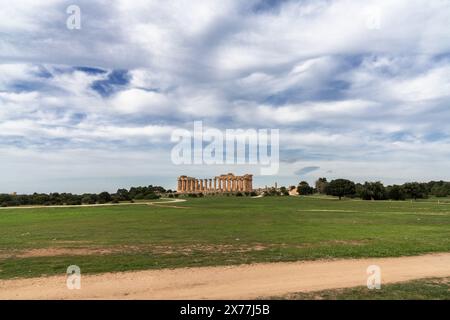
point(341, 188)
point(104, 197)
point(372, 191)
point(52, 199)
point(415, 190)
point(304, 188)
point(396, 193)
point(284, 191)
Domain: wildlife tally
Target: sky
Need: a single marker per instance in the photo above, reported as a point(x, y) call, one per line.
point(357, 89)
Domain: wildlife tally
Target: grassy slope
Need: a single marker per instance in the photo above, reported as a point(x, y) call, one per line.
point(424, 289)
point(220, 231)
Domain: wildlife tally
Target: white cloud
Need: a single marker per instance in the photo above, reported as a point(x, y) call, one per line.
point(141, 101)
point(341, 93)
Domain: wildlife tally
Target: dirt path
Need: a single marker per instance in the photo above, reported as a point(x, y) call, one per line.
point(234, 282)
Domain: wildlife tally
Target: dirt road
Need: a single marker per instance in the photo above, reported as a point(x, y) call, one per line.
point(234, 282)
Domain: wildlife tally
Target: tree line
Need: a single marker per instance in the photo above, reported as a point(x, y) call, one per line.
point(376, 190)
point(134, 193)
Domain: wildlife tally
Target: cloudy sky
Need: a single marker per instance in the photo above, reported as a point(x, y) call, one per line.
point(358, 89)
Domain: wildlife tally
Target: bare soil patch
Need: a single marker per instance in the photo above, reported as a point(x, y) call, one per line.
point(230, 282)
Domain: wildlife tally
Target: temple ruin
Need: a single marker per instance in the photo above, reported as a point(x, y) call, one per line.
point(225, 183)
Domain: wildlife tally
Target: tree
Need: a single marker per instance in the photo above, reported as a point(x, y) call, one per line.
point(415, 190)
point(373, 191)
point(396, 193)
point(89, 198)
point(440, 190)
point(284, 191)
point(321, 185)
point(341, 187)
point(104, 197)
point(304, 188)
point(122, 195)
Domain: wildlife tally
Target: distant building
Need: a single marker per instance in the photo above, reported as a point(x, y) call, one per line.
point(224, 183)
point(293, 191)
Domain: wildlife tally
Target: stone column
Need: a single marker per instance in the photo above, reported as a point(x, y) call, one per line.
point(215, 184)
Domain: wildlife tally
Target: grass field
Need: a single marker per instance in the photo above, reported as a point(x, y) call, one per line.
point(215, 231)
point(423, 289)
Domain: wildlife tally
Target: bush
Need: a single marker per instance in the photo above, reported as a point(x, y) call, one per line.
point(151, 196)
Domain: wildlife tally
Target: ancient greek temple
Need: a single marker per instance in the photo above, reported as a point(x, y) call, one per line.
point(221, 184)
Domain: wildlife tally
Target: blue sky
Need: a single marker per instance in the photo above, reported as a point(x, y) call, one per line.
point(359, 90)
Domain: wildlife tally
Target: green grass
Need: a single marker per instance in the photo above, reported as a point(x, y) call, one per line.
point(424, 289)
point(218, 231)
